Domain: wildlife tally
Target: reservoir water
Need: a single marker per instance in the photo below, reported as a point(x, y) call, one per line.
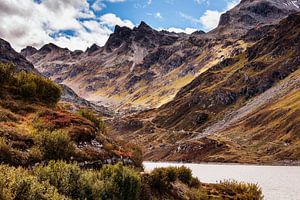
point(277, 182)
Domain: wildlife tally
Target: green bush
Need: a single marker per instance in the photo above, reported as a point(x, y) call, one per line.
point(55, 145)
point(184, 174)
point(34, 86)
point(161, 178)
point(97, 121)
point(110, 182)
point(241, 190)
point(122, 183)
point(92, 187)
point(28, 90)
point(6, 73)
point(17, 183)
point(9, 155)
point(65, 177)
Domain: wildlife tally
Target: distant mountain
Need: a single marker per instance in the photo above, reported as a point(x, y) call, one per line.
point(229, 95)
point(143, 68)
point(244, 109)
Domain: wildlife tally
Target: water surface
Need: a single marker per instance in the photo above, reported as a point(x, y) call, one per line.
point(277, 182)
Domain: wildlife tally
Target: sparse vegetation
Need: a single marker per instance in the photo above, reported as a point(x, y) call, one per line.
point(98, 122)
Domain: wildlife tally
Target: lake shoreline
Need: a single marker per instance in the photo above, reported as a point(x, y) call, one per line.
point(277, 164)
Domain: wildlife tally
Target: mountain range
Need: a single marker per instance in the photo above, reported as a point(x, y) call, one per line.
point(229, 95)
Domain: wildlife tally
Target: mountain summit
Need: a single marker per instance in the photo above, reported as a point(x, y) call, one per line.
point(254, 13)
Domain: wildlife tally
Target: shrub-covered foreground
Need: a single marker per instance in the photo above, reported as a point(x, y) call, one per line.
point(60, 180)
point(29, 85)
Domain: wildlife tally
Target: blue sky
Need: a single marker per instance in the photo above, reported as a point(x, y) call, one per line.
point(77, 24)
point(164, 13)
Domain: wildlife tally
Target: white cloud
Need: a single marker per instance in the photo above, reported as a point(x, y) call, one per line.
point(179, 30)
point(157, 15)
point(24, 22)
point(202, 1)
point(210, 19)
point(111, 20)
point(98, 5)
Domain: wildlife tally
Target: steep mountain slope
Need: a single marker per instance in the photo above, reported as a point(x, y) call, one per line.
point(254, 13)
point(139, 68)
point(8, 54)
point(244, 109)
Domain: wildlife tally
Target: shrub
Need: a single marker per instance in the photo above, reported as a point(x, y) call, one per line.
point(241, 190)
point(137, 156)
point(110, 182)
point(17, 183)
point(184, 174)
point(93, 118)
point(65, 177)
point(161, 178)
point(8, 155)
point(55, 145)
point(5, 151)
point(37, 87)
point(92, 187)
point(28, 90)
point(123, 183)
point(6, 73)
point(195, 183)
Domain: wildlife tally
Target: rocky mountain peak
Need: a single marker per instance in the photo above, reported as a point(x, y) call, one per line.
point(51, 47)
point(28, 51)
point(254, 13)
point(119, 35)
point(143, 25)
point(9, 55)
point(93, 48)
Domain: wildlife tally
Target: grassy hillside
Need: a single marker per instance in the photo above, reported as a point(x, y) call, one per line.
point(33, 128)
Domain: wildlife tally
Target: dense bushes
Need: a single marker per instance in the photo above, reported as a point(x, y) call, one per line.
point(65, 177)
point(55, 145)
point(36, 87)
point(17, 183)
point(124, 183)
point(60, 180)
point(29, 85)
point(110, 182)
point(162, 178)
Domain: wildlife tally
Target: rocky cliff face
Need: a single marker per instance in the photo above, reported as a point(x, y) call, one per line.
point(254, 13)
point(243, 109)
point(9, 55)
point(208, 92)
point(144, 68)
point(136, 69)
